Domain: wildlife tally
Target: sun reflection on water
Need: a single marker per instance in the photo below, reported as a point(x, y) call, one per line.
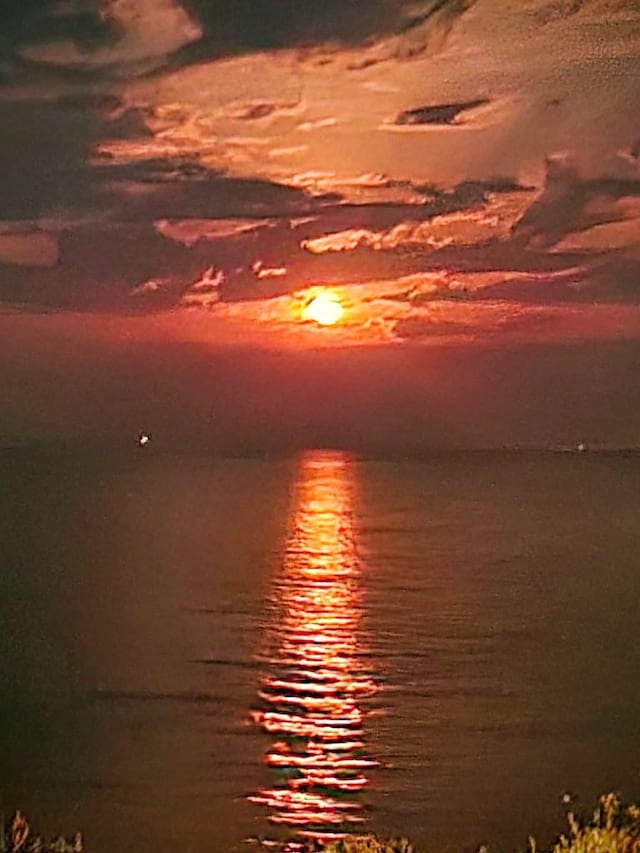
point(309, 700)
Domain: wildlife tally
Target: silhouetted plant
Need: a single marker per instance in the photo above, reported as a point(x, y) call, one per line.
point(18, 838)
point(614, 828)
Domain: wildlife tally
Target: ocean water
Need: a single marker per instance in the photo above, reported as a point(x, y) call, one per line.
point(205, 654)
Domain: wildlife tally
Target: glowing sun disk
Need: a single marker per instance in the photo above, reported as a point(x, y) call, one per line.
point(325, 309)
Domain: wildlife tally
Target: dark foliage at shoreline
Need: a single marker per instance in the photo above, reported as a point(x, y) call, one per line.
point(612, 828)
point(18, 838)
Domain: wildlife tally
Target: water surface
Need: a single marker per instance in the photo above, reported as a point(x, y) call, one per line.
point(196, 652)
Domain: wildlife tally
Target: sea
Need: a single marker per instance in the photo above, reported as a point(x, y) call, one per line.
point(234, 654)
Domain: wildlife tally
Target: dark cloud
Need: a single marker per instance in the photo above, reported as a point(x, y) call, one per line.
point(609, 279)
point(253, 112)
point(122, 123)
point(244, 25)
point(98, 269)
point(438, 113)
point(54, 22)
point(212, 197)
point(88, 38)
point(571, 203)
point(94, 39)
point(262, 24)
point(154, 170)
point(22, 19)
point(104, 102)
point(43, 154)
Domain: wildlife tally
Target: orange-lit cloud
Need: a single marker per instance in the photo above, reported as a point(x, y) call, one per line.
point(331, 107)
point(190, 231)
point(493, 220)
point(205, 292)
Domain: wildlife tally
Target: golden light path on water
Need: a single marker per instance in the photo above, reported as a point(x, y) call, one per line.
point(309, 700)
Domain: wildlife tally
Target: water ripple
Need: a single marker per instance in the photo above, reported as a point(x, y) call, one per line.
point(315, 678)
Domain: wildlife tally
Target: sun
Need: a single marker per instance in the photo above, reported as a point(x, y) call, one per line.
point(325, 308)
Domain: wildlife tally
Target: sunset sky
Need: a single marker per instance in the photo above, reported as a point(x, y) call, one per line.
point(181, 179)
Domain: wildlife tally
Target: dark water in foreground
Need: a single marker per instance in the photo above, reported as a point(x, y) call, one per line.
point(196, 652)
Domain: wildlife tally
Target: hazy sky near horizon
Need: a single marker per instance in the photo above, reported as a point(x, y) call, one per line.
point(180, 178)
